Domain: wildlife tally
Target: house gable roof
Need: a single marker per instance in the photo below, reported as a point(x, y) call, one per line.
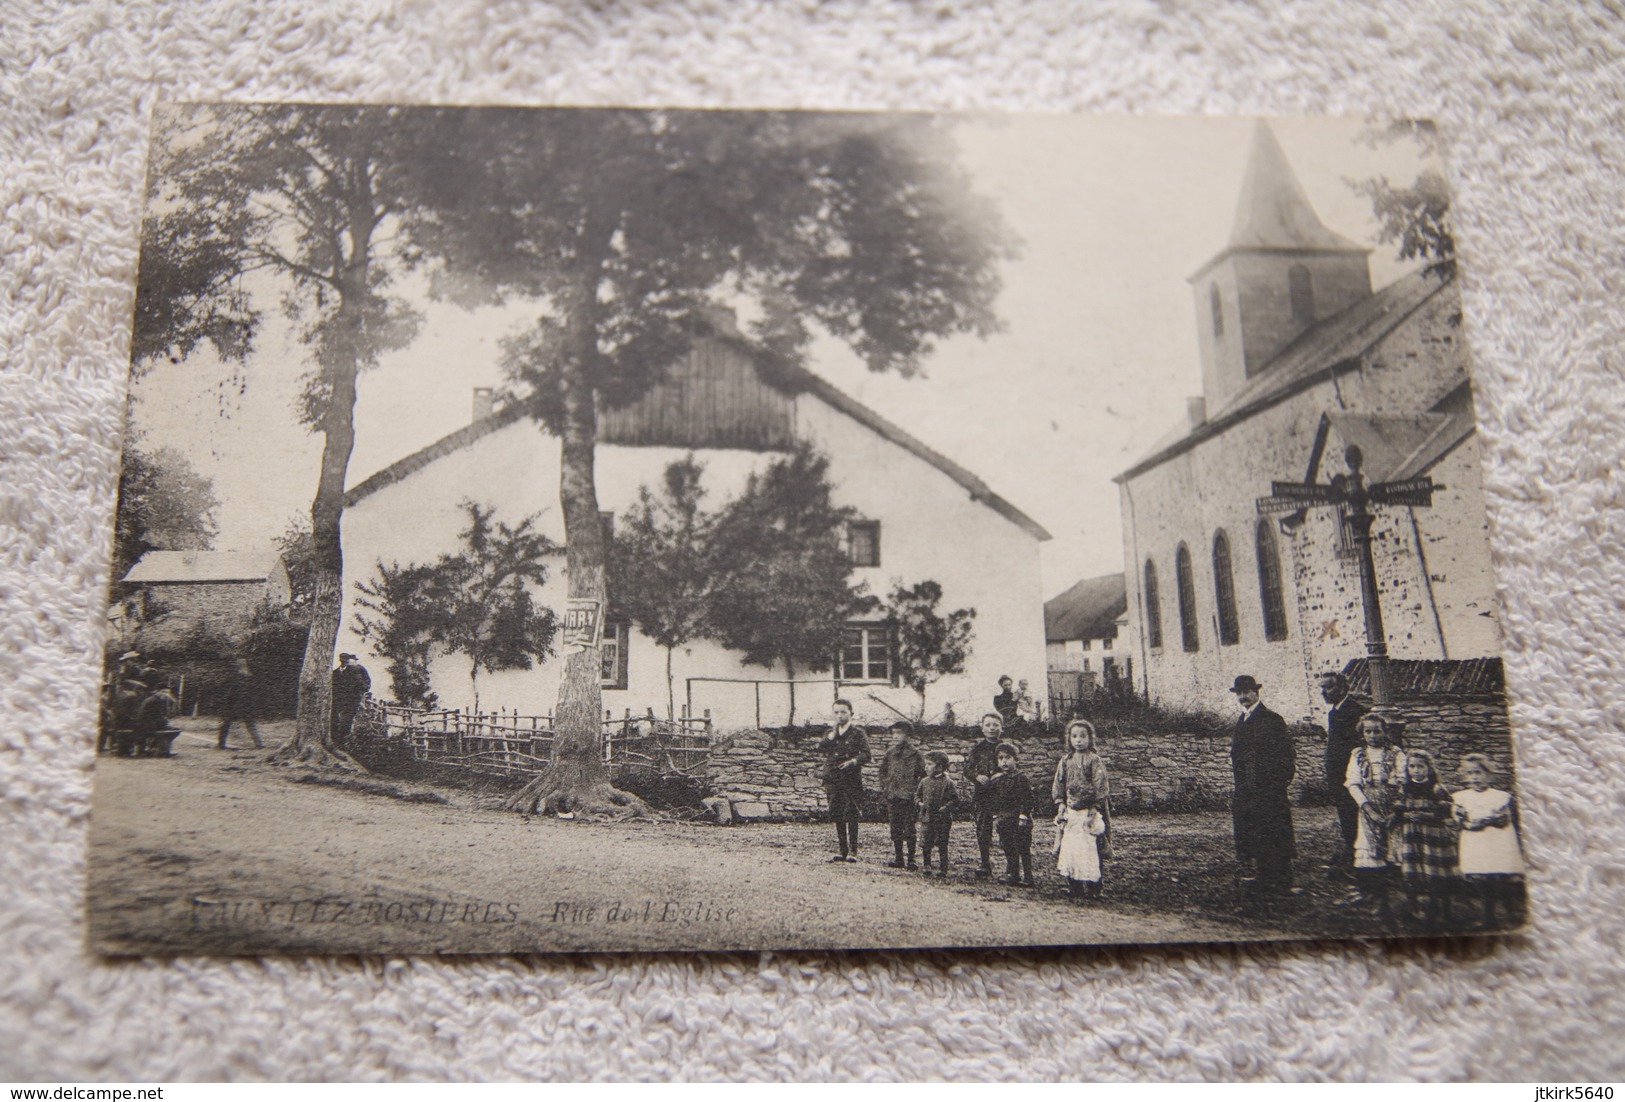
point(792, 380)
point(1089, 610)
point(1331, 347)
point(205, 567)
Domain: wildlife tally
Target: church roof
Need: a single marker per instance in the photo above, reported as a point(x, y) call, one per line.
point(794, 380)
point(1397, 446)
point(1330, 347)
point(1273, 212)
point(156, 567)
point(1089, 610)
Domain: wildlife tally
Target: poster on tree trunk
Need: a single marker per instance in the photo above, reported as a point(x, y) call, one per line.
point(612, 529)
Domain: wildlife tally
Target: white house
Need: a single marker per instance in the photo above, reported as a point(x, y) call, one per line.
point(924, 517)
point(1086, 638)
point(1301, 358)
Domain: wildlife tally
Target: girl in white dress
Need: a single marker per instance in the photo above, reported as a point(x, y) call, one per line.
point(1375, 778)
point(1082, 811)
point(1491, 858)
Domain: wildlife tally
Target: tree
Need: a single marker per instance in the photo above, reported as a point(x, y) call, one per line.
point(630, 227)
point(321, 206)
point(658, 564)
point(298, 551)
point(474, 602)
point(781, 587)
point(1415, 216)
point(163, 503)
point(927, 645)
point(478, 598)
point(400, 627)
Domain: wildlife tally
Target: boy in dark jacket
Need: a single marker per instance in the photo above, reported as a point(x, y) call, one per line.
point(1011, 797)
point(937, 798)
point(900, 773)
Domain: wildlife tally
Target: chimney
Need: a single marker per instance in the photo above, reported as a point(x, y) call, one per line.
point(1196, 411)
point(484, 402)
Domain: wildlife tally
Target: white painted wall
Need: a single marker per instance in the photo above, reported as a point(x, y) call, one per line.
point(930, 528)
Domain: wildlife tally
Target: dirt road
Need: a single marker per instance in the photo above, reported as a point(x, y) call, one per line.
point(215, 851)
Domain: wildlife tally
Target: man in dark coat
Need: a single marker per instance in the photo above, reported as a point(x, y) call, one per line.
point(846, 752)
point(1262, 758)
point(241, 704)
point(1343, 714)
point(351, 684)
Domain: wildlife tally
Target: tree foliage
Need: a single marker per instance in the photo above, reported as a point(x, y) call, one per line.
point(659, 563)
point(475, 602)
point(163, 504)
point(320, 207)
point(631, 226)
point(1415, 216)
point(927, 644)
point(782, 589)
point(479, 598)
point(392, 615)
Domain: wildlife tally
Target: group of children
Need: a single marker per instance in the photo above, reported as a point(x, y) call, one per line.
point(1434, 841)
point(922, 799)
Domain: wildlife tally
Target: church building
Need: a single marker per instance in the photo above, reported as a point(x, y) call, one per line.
point(1301, 358)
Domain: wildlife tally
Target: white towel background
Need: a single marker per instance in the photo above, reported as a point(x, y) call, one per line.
point(1529, 95)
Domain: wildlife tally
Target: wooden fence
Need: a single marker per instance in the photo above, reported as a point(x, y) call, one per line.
point(515, 745)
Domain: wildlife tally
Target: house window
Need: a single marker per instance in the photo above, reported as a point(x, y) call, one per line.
point(1215, 305)
point(1269, 583)
point(866, 653)
point(1153, 608)
point(1224, 591)
point(1301, 290)
point(612, 654)
point(863, 542)
point(1186, 581)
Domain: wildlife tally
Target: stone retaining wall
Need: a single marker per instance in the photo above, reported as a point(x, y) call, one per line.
point(771, 774)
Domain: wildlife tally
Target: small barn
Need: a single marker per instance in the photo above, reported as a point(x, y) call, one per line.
point(173, 593)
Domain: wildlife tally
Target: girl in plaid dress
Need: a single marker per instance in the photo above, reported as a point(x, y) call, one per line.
point(1427, 840)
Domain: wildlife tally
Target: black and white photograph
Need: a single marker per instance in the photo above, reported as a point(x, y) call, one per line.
point(621, 529)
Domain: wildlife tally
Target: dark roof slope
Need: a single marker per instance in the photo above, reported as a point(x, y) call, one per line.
point(794, 381)
point(1089, 610)
point(1333, 346)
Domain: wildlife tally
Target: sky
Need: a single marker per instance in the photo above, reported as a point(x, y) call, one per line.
point(1097, 356)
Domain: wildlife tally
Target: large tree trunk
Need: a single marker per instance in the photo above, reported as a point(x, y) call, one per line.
point(340, 354)
point(312, 743)
point(576, 780)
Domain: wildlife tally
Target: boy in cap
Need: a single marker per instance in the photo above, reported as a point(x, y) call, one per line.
point(900, 773)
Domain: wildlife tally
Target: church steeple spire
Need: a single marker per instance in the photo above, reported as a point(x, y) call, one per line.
point(1274, 212)
point(1281, 272)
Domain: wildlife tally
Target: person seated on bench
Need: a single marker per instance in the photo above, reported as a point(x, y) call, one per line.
point(149, 731)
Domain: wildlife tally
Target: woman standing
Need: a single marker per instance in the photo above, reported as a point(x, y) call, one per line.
point(1082, 811)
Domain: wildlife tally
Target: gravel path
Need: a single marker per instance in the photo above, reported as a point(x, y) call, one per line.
point(217, 852)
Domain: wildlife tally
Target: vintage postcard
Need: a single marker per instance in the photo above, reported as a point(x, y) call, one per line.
point(558, 530)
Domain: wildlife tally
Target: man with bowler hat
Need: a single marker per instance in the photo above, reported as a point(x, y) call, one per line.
point(351, 684)
point(1263, 762)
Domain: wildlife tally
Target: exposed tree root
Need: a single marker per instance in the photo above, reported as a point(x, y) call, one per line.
point(592, 801)
point(315, 757)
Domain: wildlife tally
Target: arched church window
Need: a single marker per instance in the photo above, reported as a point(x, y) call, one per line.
point(1153, 608)
point(1224, 591)
point(1187, 598)
point(1269, 583)
point(1302, 292)
point(1215, 304)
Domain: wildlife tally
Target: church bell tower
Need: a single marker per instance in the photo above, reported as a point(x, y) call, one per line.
point(1281, 272)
